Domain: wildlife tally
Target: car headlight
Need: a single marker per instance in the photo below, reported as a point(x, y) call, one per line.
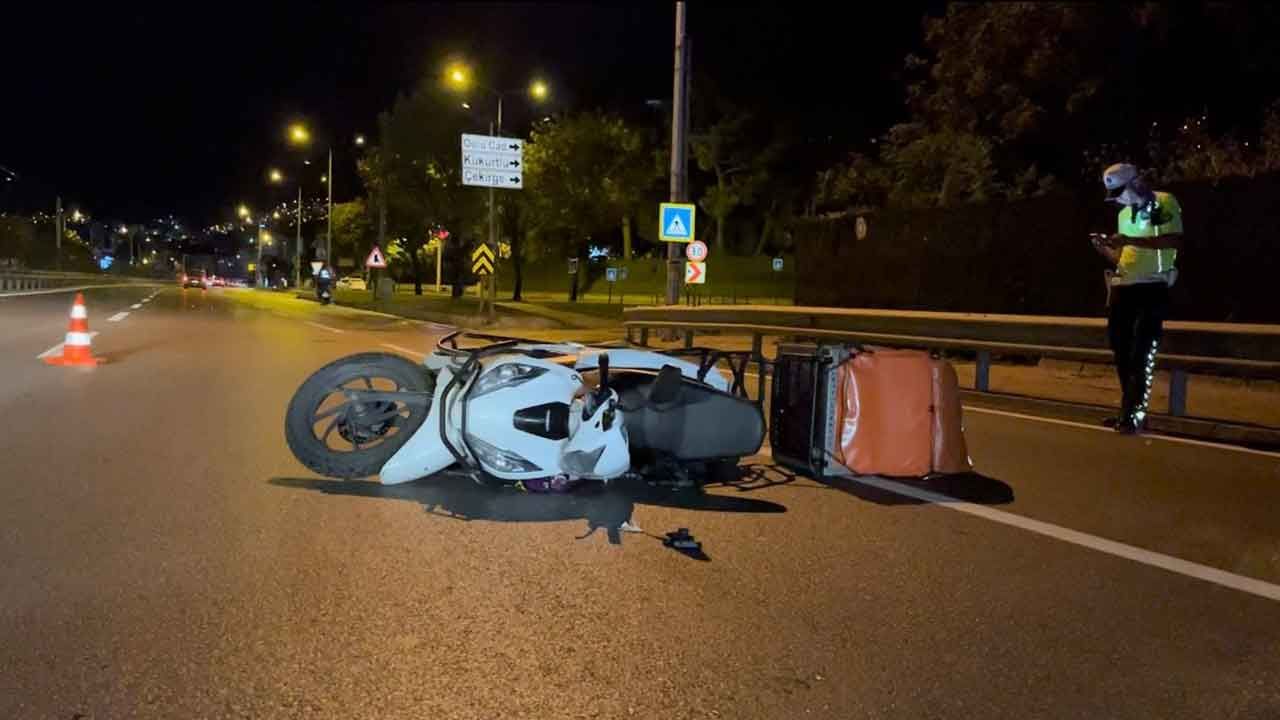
point(502, 460)
point(505, 376)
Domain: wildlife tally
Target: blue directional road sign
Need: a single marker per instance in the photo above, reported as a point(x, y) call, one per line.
point(611, 274)
point(675, 222)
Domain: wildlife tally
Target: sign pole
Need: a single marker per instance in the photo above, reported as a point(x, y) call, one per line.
point(679, 158)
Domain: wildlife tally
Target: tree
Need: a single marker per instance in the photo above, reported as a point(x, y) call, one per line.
point(353, 229)
point(584, 173)
point(739, 161)
point(415, 174)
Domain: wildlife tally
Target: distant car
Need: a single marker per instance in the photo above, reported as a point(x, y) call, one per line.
point(352, 282)
point(219, 281)
point(195, 281)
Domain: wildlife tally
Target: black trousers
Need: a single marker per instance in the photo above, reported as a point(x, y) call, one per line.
point(1134, 327)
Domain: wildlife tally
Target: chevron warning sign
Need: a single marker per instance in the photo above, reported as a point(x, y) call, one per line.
point(482, 260)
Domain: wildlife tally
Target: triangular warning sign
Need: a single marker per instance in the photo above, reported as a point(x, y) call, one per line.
point(676, 227)
point(375, 259)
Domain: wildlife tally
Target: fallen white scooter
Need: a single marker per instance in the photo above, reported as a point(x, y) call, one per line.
point(513, 411)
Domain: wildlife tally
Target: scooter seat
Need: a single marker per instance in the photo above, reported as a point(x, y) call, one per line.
point(691, 421)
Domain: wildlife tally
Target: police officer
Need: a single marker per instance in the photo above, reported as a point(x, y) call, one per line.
point(1143, 251)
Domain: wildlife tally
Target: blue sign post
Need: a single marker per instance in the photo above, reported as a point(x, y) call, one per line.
point(676, 222)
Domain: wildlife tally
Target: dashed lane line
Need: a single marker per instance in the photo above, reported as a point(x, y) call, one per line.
point(135, 306)
point(118, 317)
point(404, 350)
point(324, 327)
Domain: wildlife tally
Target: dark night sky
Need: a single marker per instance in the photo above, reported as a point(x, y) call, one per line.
point(131, 113)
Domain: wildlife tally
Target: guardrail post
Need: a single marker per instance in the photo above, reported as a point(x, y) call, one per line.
point(688, 339)
point(982, 371)
point(1178, 393)
point(757, 354)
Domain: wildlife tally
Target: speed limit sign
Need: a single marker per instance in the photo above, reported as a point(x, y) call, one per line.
point(696, 251)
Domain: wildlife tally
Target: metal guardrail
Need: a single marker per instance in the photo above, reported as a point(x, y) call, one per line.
point(1187, 347)
point(18, 281)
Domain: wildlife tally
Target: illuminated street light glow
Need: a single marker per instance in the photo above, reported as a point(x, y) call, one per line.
point(459, 75)
point(539, 90)
point(243, 211)
point(466, 106)
point(298, 134)
point(276, 176)
point(359, 141)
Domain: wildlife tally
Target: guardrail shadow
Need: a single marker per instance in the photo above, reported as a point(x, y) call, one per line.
point(458, 497)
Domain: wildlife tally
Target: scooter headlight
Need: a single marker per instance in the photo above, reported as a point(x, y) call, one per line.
point(502, 460)
point(505, 376)
point(581, 462)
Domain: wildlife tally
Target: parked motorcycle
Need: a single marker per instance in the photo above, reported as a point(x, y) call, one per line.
point(520, 411)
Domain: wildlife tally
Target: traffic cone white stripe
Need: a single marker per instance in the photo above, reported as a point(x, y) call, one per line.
point(78, 338)
point(79, 313)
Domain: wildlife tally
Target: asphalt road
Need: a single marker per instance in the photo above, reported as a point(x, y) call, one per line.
point(163, 555)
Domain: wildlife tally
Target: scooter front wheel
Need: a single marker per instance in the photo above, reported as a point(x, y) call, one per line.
point(343, 438)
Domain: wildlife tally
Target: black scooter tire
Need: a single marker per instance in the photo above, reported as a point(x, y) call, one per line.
point(299, 423)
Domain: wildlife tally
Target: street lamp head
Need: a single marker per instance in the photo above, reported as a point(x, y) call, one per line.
point(243, 211)
point(324, 178)
point(275, 176)
point(466, 106)
point(458, 76)
point(359, 141)
point(539, 90)
point(298, 134)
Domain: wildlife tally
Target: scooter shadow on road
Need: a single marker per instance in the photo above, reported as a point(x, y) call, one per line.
point(604, 508)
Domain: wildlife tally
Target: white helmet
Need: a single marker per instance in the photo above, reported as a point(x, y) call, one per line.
point(1125, 185)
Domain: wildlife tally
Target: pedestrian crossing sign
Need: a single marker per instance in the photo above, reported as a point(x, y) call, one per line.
point(675, 222)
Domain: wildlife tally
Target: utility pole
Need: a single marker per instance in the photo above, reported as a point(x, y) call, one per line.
point(297, 248)
point(679, 147)
point(328, 240)
point(57, 235)
point(492, 280)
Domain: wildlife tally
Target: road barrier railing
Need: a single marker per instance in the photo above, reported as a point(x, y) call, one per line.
point(1233, 349)
point(12, 281)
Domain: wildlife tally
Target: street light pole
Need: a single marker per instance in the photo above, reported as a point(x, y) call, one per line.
point(679, 157)
point(328, 240)
point(297, 248)
point(493, 231)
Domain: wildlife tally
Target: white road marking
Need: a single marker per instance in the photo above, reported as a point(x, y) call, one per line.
point(146, 299)
point(1249, 585)
point(57, 349)
point(118, 317)
point(135, 306)
point(1099, 428)
point(324, 327)
point(404, 350)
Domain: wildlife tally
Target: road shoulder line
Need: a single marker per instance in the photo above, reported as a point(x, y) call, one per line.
point(1098, 428)
point(1186, 568)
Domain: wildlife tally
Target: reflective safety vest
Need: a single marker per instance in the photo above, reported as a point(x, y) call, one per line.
point(1162, 216)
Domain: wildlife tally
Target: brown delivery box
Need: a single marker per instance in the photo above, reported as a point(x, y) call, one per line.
point(898, 413)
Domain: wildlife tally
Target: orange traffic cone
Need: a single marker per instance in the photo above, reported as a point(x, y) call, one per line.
point(75, 351)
